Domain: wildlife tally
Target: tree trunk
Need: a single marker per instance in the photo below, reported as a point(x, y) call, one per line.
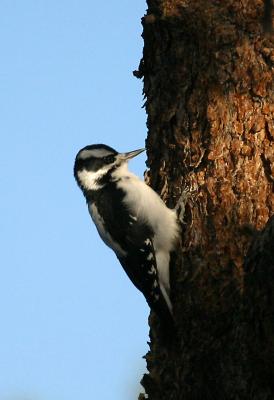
point(208, 83)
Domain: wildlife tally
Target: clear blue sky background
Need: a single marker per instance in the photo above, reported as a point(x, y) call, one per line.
point(72, 325)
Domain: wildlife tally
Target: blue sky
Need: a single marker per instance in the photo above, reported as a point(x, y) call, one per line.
point(72, 325)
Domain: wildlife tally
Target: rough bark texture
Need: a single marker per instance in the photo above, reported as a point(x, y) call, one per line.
point(208, 83)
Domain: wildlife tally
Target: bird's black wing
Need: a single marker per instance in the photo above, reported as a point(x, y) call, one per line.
point(140, 266)
point(135, 239)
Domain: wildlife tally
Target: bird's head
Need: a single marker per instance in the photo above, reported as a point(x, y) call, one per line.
point(95, 163)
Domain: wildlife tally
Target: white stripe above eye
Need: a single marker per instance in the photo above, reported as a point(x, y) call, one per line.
point(98, 153)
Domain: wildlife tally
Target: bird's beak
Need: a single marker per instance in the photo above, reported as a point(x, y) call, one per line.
point(130, 154)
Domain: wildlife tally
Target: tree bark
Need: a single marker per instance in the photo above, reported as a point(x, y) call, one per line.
point(208, 83)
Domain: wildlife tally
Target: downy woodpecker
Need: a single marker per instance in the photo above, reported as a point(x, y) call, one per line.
point(131, 219)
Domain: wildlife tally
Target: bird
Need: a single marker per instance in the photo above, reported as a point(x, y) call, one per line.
point(132, 220)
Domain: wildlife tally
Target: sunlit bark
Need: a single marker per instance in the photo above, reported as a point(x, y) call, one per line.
point(208, 82)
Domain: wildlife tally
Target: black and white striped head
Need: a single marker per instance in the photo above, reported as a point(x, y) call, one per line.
point(95, 163)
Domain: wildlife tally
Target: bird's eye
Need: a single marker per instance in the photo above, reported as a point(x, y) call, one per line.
point(109, 159)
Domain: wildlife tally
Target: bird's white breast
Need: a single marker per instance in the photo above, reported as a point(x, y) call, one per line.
point(143, 202)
